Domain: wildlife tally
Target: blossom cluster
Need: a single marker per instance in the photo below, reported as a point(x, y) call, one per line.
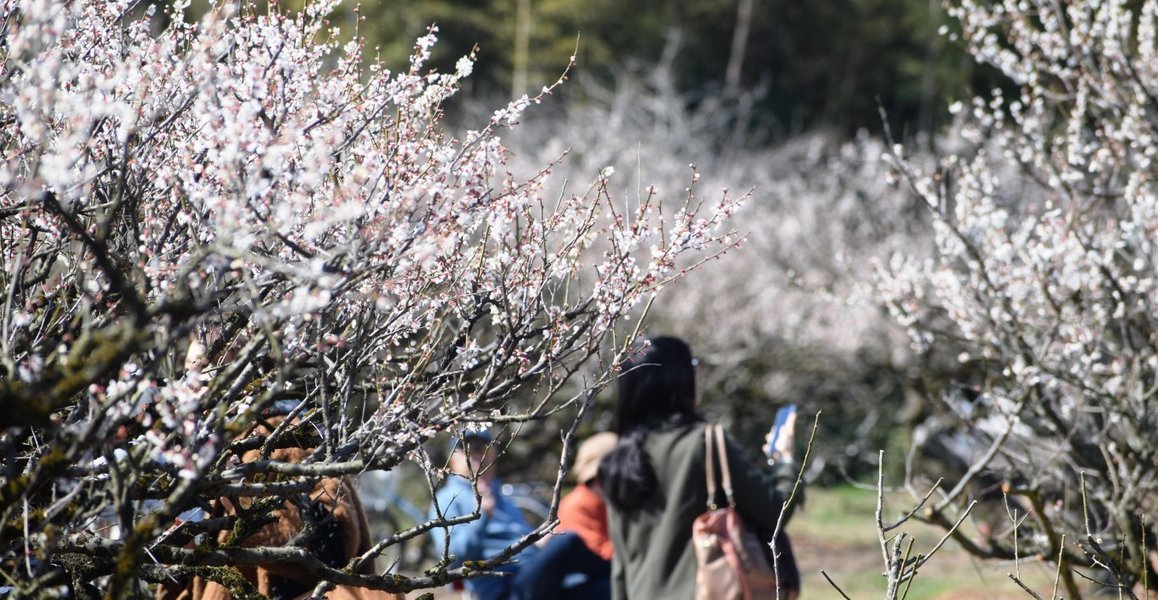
point(790, 314)
point(1046, 225)
point(231, 217)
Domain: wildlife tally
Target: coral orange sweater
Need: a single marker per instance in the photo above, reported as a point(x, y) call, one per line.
point(585, 512)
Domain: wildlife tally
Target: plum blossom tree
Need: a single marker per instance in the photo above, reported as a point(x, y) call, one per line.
point(1046, 224)
point(232, 218)
point(789, 316)
point(1023, 273)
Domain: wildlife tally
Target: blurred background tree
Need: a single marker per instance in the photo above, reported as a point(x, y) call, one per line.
point(831, 64)
point(780, 97)
point(714, 82)
point(827, 65)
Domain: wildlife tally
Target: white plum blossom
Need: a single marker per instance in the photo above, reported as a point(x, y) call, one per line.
point(228, 219)
point(1046, 249)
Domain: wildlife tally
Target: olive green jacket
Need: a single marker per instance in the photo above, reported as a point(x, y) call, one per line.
point(653, 546)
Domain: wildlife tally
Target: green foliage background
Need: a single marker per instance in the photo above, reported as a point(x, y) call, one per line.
point(827, 64)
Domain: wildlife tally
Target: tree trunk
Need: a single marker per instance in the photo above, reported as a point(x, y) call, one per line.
point(739, 46)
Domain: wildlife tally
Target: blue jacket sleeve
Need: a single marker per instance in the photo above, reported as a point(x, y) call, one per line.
point(465, 538)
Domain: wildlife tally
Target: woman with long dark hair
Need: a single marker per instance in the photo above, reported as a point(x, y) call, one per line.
point(654, 478)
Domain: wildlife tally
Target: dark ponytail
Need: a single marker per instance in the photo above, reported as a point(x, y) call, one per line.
point(657, 390)
point(626, 475)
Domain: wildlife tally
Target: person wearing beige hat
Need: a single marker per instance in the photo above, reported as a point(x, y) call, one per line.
point(584, 510)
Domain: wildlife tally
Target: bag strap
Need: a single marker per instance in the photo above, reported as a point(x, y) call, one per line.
point(711, 455)
point(722, 456)
point(709, 466)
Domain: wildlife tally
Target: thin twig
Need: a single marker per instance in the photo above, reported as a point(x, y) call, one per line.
point(911, 513)
point(834, 586)
point(791, 497)
point(912, 574)
point(1021, 584)
point(880, 506)
point(945, 538)
point(1057, 572)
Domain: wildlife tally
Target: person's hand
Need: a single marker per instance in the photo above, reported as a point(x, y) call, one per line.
point(782, 451)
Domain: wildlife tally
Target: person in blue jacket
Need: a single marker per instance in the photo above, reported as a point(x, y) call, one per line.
point(499, 524)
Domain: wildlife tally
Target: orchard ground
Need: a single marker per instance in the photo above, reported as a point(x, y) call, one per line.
point(836, 533)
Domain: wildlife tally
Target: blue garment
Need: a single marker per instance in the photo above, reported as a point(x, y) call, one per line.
point(481, 538)
point(564, 569)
